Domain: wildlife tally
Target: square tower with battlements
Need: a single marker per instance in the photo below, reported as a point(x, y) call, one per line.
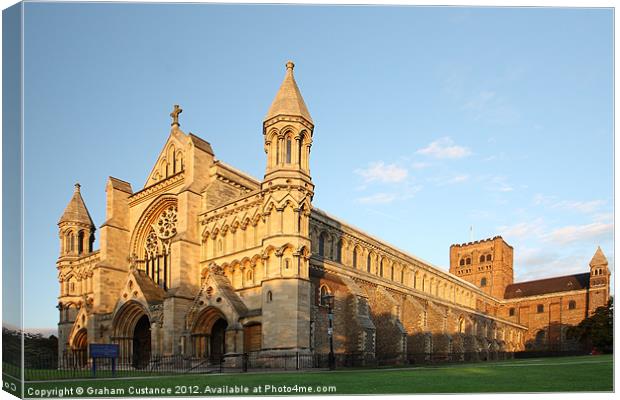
point(485, 263)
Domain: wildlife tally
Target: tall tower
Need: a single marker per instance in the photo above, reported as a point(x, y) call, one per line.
point(487, 264)
point(288, 191)
point(77, 234)
point(598, 294)
point(76, 228)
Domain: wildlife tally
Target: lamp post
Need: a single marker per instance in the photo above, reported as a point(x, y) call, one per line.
point(328, 299)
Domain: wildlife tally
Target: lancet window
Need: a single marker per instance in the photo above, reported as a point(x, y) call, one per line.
point(157, 247)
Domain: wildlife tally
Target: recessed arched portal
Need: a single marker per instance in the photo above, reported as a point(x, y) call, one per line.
point(80, 340)
point(132, 331)
point(142, 343)
point(209, 334)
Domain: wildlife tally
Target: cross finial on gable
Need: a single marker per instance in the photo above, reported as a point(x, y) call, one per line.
point(175, 115)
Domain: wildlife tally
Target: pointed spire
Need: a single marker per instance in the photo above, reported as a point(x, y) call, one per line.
point(289, 101)
point(598, 258)
point(76, 210)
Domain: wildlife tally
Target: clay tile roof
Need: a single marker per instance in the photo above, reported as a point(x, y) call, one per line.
point(549, 285)
point(289, 101)
point(598, 258)
point(76, 210)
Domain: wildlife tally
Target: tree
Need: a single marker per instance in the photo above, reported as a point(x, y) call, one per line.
point(596, 331)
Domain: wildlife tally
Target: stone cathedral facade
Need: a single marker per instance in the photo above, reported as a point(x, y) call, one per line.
point(208, 261)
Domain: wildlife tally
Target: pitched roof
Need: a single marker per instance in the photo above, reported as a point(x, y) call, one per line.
point(152, 293)
point(288, 100)
point(598, 258)
point(76, 210)
point(549, 285)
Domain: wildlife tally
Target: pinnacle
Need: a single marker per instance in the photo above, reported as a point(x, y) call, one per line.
point(288, 100)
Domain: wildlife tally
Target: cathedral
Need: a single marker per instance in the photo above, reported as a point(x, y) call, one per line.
point(205, 261)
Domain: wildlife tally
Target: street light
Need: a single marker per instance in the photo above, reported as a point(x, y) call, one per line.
point(328, 300)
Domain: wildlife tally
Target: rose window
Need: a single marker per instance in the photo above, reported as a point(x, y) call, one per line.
point(166, 226)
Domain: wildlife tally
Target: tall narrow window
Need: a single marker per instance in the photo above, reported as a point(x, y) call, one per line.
point(339, 252)
point(277, 151)
point(299, 146)
point(80, 243)
point(355, 257)
point(368, 260)
point(321, 245)
point(289, 150)
point(381, 269)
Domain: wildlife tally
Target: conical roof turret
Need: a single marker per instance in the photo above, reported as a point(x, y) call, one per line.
point(289, 101)
point(76, 210)
point(598, 258)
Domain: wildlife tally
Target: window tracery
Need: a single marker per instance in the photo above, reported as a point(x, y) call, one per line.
point(157, 247)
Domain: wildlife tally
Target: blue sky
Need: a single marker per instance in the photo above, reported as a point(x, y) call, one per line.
point(428, 120)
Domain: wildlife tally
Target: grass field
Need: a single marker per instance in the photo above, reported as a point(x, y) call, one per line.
point(587, 373)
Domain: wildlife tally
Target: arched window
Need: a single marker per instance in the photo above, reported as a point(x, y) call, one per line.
point(482, 258)
point(322, 245)
point(288, 150)
point(461, 325)
point(402, 276)
point(71, 243)
point(300, 145)
point(269, 297)
point(80, 243)
point(462, 262)
point(250, 276)
point(483, 282)
point(381, 268)
point(355, 257)
point(323, 293)
point(339, 251)
point(468, 261)
point(277, 151)
point(368, 260)
point(572, 305)
point(488, 257)
point(540, 308)
point(540, 337)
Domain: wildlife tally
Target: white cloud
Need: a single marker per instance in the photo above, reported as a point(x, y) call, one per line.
point(580, 206)
point(487, 105)
point(499, 184)
point(445, 148)
point(452, 180)
point(586, 207)
point(523, 230)
point(420, 165)
point(378, 198)
point(577, 233)
point(379, 171)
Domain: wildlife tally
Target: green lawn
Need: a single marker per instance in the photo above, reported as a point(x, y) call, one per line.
point(587, 373)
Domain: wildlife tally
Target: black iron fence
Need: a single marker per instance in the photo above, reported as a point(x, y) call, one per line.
point(79, 365)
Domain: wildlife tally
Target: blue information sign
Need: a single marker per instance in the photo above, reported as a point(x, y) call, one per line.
point(98, 350)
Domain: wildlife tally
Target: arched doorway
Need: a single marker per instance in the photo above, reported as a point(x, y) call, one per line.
point(79, 348)
point(209, 335)
point(132, 331)
point(218, 339)
point(142, 343)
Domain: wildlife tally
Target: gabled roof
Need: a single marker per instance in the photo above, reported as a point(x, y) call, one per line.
point(549, 285)
point(153, 294)
point(288, 100)
point(76, 210)
point(598, 258)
